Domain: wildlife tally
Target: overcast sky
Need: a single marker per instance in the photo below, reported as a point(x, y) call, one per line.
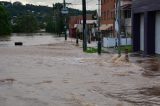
point(91, 4)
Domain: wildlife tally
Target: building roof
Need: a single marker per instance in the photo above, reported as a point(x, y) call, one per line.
point(104, 27)
point(126, 6)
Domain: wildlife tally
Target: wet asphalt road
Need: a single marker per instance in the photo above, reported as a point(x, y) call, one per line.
point(60, 74)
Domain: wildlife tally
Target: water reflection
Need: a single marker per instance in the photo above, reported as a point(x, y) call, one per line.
point(28, 39)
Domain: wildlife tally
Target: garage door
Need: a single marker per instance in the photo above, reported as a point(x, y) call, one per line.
point(142, 33)
point(157, 37)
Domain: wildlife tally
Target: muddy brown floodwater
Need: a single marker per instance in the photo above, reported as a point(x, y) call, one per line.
point(151, 66)
point(60, 74)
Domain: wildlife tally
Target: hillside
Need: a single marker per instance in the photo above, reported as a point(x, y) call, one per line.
point(17, 8)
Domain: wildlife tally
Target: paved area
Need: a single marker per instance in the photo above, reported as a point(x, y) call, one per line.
point(60, 74)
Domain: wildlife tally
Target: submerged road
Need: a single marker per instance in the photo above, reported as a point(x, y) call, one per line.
point(60, 74)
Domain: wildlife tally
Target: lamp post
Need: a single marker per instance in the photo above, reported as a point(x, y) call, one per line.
point(118, 24)
point(77, 37)
point(84, 25)
point(65, 11)
point(99, 34)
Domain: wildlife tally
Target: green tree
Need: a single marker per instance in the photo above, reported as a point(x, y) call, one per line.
point(5, 26)
point(26, 24)
point(50, 27)
point(57, 22)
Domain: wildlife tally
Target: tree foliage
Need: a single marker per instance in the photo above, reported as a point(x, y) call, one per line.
point(5, 26)
point(55, 24)
point(26, 24)
point(47, 17)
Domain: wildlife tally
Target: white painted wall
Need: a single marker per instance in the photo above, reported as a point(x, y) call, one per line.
point(111, 42)
point(157, 37)
point(142, 32)
point(128, 25)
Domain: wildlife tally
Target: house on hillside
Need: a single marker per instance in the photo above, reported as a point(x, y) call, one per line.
point(146, 26)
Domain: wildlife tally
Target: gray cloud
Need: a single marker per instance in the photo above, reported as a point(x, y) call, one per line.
point(91, 4)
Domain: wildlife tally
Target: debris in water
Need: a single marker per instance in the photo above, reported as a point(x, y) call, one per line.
point(44, 82)
point(122, 59)
point(114, 58)
point(7, 81)
point(81, 102)
point(122, 74)
point(119, 60)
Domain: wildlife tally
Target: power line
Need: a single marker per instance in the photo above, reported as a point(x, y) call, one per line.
point(78, 3)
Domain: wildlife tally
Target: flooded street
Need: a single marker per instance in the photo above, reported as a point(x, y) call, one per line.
point(48, 71)
point(28, 39)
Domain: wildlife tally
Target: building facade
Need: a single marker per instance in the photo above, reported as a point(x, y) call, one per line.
point(126, 17)
point(146, 26)
point(73, 20)
point(107, 11)
point(107, 17)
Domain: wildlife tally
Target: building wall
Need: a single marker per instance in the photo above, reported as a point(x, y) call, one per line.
point(77, 19)
point(124, 2)
point(149, 8)
point(126, 16)
point(107, 11)
point(145, 5)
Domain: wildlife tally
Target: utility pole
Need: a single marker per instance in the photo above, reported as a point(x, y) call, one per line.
point(118, 24)
point(65, 21)
point(84, 25)
point(99, 33)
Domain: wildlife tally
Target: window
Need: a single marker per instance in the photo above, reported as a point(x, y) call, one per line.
point(107, 14)
point(127, 13)
point(104, 15)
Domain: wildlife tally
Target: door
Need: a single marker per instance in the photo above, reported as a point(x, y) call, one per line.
point(142, 32)
point(157, 35)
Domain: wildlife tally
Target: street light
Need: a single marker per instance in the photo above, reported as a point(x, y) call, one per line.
point(65, 12)
point(84, 25)
point(99, 34)
point(118, 24)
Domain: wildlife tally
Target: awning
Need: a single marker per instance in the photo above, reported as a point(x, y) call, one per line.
point(126, 7)
point(104, 27)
